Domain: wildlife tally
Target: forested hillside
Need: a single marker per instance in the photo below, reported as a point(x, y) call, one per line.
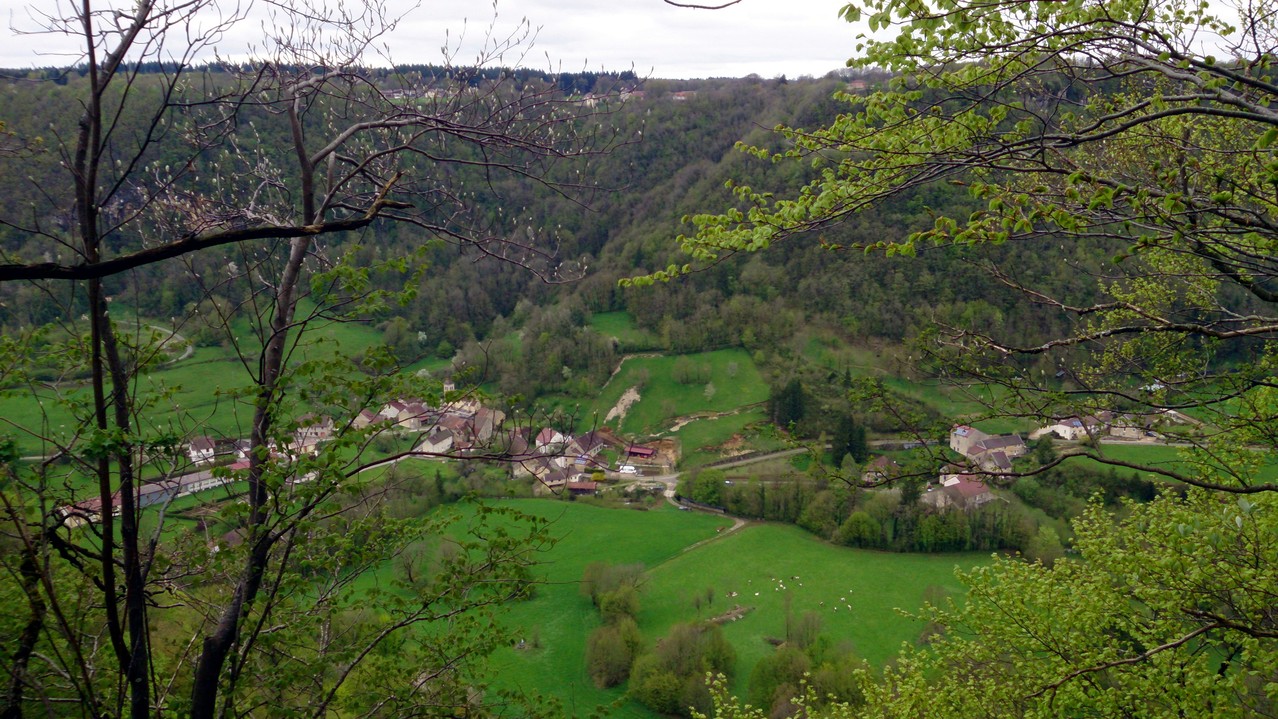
point(675, 151)
point(868, 234)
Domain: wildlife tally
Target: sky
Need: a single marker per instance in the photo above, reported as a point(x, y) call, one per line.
point(768, 38)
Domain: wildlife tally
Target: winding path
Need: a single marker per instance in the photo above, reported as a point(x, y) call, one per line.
point(737, 523)
point(172, 337)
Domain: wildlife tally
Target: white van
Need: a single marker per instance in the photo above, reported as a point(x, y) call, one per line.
point(627, 469)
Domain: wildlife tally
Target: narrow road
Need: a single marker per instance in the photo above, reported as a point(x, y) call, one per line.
point(737, 523)
point(672, 480)
point(173, 336)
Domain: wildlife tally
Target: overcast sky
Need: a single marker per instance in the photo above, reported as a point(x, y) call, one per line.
point(764, 37)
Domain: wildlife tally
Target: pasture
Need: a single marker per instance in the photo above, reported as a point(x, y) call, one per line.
point(192, 396)
point(558, 619)
point(960, 402)
point(705, 440)
point(866, 587)
point(681, 385)
point(1172, 458)
point(621, 326)
point(856, 592)
point(897, 372)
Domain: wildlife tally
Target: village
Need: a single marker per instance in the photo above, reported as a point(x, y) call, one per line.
point(576, 465)
point(464, 429)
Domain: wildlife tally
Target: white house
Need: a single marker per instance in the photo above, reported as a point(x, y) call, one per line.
point(414, 415)
point(437, 442)
point(549, 440)
point(392, 409)
point(486, 421)
point(1076, 428)
point(202, 450)
point(314, 427)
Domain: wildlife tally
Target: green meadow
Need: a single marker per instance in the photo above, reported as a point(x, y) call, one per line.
point(622, 326)
point(702, 439)
point(857, 593)
point(736, 381)
point(767, 569)
point(890, 365)
point(195, 395)
point(558, 619)
point(959, 402)
point(1161, 456)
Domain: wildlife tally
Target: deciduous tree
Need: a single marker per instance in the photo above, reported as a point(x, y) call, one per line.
point(244, 171)
point(1143, 131)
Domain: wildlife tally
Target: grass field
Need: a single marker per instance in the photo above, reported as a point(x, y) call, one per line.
point(959, 403)
point(857, 593)
point(194, 393)
point(433, 365)
point(1153, 455)
point(836, 354)
point(701, 438)
point(747, 561)
point(561, 617)
point(685, 553)
point(1160, 456)
point(622, 326)
point(732, 372)
point(885, 363)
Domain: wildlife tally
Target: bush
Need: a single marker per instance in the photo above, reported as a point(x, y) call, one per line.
point(672, 677)
point(621, 603)
point(860, 530)
point(656, 688)
point(1045, 547)
point(611, 651)
point(601, 578)
point(775, 676)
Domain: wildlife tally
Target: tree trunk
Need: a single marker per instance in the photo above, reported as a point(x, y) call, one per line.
point(217, 646)
point(30, 572)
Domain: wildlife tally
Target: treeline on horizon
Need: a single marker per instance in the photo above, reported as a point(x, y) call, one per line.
point(569, 81)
